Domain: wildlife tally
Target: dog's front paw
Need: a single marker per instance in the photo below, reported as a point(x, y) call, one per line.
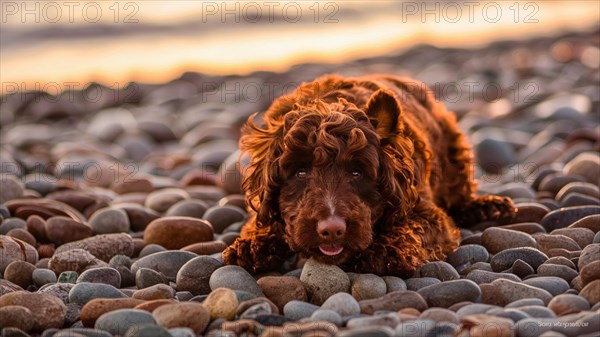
point(487, 208)
point(239, 254)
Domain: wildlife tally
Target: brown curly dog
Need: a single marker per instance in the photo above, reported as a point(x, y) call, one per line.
point(370, 173)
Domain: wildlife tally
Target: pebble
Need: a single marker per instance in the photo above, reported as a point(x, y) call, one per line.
point(582, 236)
point(530, 212)
point(206, 248)
point(16, 316)
point(58, 290)
point(47, 311)
point(119, 321)
point(255, 311)
point(222, 216)
point(419, 327)
point(561, 260)
point(161, 200)
point(367, 286)
point(498, 239)
point(537, 311)
point(501, 292)
point(177, 232)
point(106, 275)
point(553, 241)
point(390, 320)
point(448, 293)
point(590, 272)
point(522, 268)
point(41, 276)
point(235, 278)
point(77, 260)
point(61, 229)
point(505, 259)
point(327, 316)
point(393, 283)
point(104, 247)
point(188, 208)
point(187, 314)
point(394, 301)
point(97, 307)
point(486, 325)
point(468, 254)
point(564, 217)
point(565, 304)
point(525, 227)
point(589, 254)
point(282, 289)
point(416, 283)
point(221, 303)
point(244, 305)
point(440, 315)
point(23, 235)
point(482, 276)
point(563, 272)
point(590, 292)
point(109, 220)
point(553, 285)
point(585, 165)
point(167, 263)
point(474, 309)
point(151, 249)
point(20, 273)
point(10, 188)
point(323, 280)
point(591, 222)
point(146, 277)
point(441, 270)
point(84, 292)
point(342, 303)
point(147, 330)
point(297, 310)
point(155, 292)
point(195, 274)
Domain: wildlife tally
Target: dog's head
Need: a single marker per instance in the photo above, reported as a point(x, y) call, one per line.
point(330, 173)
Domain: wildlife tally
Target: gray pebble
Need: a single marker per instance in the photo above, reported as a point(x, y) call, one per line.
point(342, 303)
point(298, 309)
point(236, 278)
point(417, 283)
point(327, 315)
point(117, 322)
point(41, 276)
point(104, 275)
point(84, 292)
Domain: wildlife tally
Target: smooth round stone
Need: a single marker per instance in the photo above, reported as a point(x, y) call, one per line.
point(561, 260)
point(117, 322)
point(12, 223)
point(590, 272)
point(223, 216)
point(177, 232)
point(393, 301)
point(586, 165)
point(522, 269)
point(323, 280)
point(151, 305)
point(155, 292)
point(16, 316)
point(505, 259)
point(247, 304)
point(537, 311)
point(553, 183)
point(590, 292)
point(482, 276)
point(493, 155)
point(151, 249)
point(188, 208)
point(77, 260)
point(187, 314)
point(95, 308)
point(104, 247)
point(474, 309)
point(161, 200)
point(587, 189)
point(150, 330)
point(42, 276)
point(46, 310)
point(58, 290)
point(498, 239)
point(139, 216)
point(565, 304)
point(525, 302)
point(221, 303)
point(563, 272)
point(592, 222)
point(440, 315)
point(367, 286)
point(501, 292)
point(36, 225)
point(551, 241)
point(589, 254)
point(282, 289)
point(12, 249)
point(146, 277)
point(259, 309)
point(393, 283)
point(10, 188)
point(206, 248)
point(419, 327)
point(84, 292)
point(20, 273)
point(530, 212)
point(23, 235)
point(194, 275)
point(167, 263)
point(578, 199)
point(109, 220)
point(582, 236)
point(187, 332)
point(468, 254)
point(104, 275)
point(448, 293)
point(443, 271)
point(482, 325)
point(564, 217)
point(62, 229)
point(327, 316)
point(525, 227)
point(236, 278)
point(390, 320)
point(342, 303)
point(297, 310)
point(553, 285)
point(417, 283)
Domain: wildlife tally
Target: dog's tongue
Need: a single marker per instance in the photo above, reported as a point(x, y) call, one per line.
point(330, 250)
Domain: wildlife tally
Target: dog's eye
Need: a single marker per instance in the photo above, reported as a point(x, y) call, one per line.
point(301, 174)
point(356, 174)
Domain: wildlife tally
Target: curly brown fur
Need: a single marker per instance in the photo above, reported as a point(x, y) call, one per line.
point(372, 166)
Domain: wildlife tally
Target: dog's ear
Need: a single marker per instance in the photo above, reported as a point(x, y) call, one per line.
point(384, 112)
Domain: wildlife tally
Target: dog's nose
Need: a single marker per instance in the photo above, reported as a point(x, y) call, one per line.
point(331, 228)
